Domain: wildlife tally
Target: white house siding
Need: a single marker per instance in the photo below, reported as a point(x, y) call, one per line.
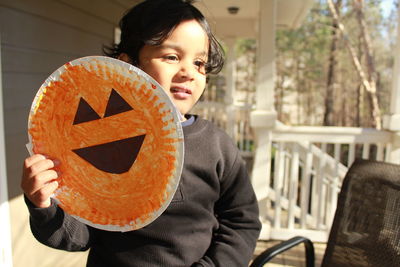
point(37, 37)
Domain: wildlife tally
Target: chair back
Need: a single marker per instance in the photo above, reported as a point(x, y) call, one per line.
point(366, 226)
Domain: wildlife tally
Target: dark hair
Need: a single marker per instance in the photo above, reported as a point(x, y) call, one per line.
point(152, 21)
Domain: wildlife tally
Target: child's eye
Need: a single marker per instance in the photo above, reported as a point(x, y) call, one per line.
point(171, 58)
point(201, 65)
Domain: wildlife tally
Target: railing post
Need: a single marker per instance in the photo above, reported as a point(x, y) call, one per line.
point(261, 174)
point(263, 119)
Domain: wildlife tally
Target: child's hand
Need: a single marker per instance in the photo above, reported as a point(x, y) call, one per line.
point(38, 180)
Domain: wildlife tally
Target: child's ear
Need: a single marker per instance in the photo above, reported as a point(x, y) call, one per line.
point(124, 57)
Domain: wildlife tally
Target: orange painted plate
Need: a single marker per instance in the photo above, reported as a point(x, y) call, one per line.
point(118, 138)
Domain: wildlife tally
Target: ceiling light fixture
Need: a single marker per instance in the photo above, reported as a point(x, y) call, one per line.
point(233, 10)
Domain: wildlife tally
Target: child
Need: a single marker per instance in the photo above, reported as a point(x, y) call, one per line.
point(213, 217)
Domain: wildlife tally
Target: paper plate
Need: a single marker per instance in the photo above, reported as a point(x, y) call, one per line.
point(118, 138)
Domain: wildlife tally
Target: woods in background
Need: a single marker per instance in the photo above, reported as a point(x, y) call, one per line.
point(336, 69)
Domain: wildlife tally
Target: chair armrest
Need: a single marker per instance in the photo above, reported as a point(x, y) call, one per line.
point(271, 252)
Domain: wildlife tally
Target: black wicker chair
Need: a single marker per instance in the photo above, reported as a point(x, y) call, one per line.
point(366, 227)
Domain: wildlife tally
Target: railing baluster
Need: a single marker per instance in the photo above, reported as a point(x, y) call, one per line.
point(278, 175)
point(241, 135)
point(293, 185)
point(314, 191)
point(305, 187)
point(286, 173)
point(351, 154)
point(236, 132)
point(379, 152)
point(247, 137)
point(365, 152)
point(388, 152)
point(320, 185)
point(334, 187)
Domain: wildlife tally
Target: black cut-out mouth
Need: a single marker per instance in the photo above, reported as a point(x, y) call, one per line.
point(113, 157)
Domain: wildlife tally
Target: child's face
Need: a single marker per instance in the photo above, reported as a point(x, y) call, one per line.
point(178, 64)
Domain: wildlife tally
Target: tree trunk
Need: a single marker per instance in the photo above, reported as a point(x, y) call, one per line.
point(368, 82)
point(371, 71)
point(330, 85)
point(359, 89)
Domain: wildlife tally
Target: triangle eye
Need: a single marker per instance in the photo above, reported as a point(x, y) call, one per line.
point(116, 104)
point(85, 113)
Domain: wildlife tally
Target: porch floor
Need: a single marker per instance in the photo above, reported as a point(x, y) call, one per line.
point(293, 257)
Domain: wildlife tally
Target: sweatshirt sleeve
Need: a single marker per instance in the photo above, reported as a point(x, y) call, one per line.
point(234, 241)
point(54, 228)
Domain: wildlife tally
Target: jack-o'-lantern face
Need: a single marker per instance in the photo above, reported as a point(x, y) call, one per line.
point(117, 141)
point(115, 156)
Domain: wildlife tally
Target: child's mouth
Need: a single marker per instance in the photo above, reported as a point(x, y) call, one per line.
point(180, 93)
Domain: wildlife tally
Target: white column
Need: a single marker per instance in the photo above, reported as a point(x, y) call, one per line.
point(5, 229)
point(263, 118)
point(391, 121)
point(230, 75)
point(265, 65)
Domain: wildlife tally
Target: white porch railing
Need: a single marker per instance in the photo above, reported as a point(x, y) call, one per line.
point(233, 119)
point(299, 194)
point(307, 167)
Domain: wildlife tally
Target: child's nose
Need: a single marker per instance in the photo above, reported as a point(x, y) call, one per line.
point(186, 71)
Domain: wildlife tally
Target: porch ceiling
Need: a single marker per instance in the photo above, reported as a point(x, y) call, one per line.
point(290, 14)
